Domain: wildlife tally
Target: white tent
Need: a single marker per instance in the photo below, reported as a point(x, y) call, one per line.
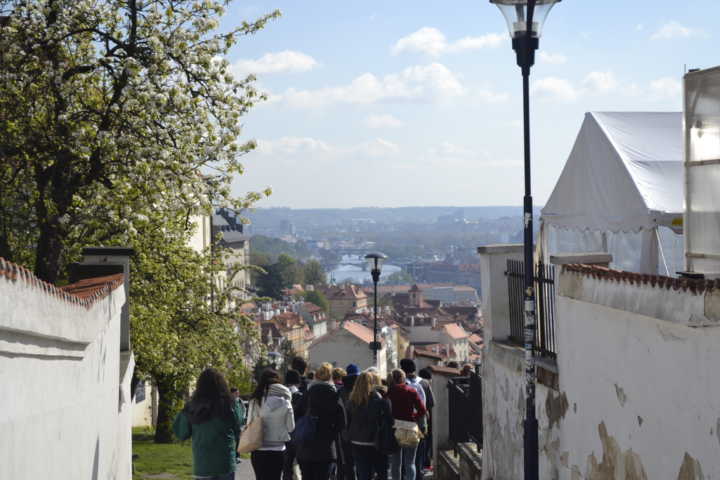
point(622, 181)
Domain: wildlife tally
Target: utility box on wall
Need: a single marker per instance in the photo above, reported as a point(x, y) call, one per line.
point(702, 172)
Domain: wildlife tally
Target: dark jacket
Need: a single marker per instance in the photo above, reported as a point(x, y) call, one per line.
point(321, 401)
point(365, 419)
point(214, 437)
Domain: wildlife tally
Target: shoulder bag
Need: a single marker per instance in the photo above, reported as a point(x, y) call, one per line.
point(252, 437)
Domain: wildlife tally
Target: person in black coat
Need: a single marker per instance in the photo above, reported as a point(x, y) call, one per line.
point(318, 456)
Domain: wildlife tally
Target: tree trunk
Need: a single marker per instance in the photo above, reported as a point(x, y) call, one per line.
point(47, 258)
point(169, 404)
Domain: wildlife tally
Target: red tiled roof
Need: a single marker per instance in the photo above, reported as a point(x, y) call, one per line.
point(84, 293)
point(360, 331)
point(445, 370)
point(419, 352)
point(311, 307)
point(455, 331)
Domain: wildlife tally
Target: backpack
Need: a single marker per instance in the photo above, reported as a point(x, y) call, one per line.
point(298, 404)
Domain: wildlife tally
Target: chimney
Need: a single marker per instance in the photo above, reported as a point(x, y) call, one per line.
point(434, 322)
point(102, 261)
point(412, 321)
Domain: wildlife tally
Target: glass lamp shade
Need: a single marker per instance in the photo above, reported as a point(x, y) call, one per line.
point(375, 260)
point(515, 13)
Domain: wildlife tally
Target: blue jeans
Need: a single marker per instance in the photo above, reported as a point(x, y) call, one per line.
point(369, 460)
point(406, 458)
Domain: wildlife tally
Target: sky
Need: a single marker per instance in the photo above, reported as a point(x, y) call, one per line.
point(419, 102)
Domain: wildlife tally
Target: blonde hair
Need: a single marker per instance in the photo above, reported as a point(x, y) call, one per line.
point(362, 389)
point(338, 373)
point(324, 373)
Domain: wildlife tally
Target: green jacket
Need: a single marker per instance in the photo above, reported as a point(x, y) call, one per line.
point(214, 439)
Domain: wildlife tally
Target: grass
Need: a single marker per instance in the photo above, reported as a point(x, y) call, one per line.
point(154, 459)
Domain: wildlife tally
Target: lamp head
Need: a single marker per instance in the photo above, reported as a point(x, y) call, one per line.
point(375, 260)
point(516, 15)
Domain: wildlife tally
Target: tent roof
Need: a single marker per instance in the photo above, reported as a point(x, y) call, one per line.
point(625, 173)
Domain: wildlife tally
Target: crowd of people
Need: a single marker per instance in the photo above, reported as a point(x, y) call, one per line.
point(329, 424)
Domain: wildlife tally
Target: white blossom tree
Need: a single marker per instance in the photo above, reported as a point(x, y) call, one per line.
point(116, 119)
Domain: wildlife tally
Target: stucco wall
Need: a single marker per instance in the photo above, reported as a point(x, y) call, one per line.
point(637, 396)
point(642, 394)
point(342, 348)
point(65, 410)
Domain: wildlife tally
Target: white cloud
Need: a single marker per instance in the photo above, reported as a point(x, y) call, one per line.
point(378, 147)
point(433, 42)
point(666, 87)
point(555, 87)
point(552, 58)
point(275, 62)
point(600, 82)
point(675, 29)
point(304, 146)
point(292, 146)
point(448, 153)
point(383, 121)
point(433, 82)
point(485, 95)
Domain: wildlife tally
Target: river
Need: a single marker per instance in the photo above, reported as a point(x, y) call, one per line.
point(354, 269)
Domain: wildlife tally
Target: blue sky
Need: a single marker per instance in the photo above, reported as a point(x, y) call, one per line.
point(406, 103)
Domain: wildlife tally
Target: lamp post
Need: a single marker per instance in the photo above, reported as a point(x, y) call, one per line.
point(375, 261)
point(525, 19)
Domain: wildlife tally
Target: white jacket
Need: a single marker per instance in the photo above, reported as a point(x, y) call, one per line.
point(277, 417)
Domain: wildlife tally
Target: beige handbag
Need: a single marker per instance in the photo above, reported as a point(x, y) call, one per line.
point(252, 437)
point(407, 433)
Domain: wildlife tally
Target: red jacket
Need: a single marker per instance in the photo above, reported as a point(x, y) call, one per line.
point(406, 403)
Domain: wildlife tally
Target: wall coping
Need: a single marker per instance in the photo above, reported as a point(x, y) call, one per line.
point(500, 249)
point(695, 286)
point(581, 258)
point(84, 293)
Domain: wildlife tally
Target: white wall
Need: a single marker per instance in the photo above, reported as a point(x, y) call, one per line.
point(341, 348)
point(646, 391)
point(65, 408)
point(637, 396)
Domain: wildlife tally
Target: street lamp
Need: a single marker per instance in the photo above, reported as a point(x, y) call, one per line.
point(375, 261)
point(525, 19)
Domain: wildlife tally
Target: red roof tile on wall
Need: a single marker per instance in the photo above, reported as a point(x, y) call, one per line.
point(84, 293)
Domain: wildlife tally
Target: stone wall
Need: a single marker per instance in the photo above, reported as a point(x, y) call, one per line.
point(65, 410)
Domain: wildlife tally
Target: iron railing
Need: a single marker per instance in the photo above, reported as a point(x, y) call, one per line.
point(545, 340)
point(465, 409)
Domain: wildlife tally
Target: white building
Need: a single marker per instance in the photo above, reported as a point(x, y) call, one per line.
point(348, 344)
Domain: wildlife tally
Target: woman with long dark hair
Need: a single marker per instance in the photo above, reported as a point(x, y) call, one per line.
point(272, 402)
point(212, 419)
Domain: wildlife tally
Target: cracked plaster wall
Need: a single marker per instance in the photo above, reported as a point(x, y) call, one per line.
point(638, 396)
point(643, 395)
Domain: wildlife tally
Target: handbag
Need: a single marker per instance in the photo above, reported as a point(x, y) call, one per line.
point(252, 437)
point(305, 429)
point(407, 433)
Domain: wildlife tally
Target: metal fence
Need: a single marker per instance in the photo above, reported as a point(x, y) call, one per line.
point(465, 409)
point(545, 341)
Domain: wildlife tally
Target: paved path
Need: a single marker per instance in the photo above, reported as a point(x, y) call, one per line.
point(244, 471)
